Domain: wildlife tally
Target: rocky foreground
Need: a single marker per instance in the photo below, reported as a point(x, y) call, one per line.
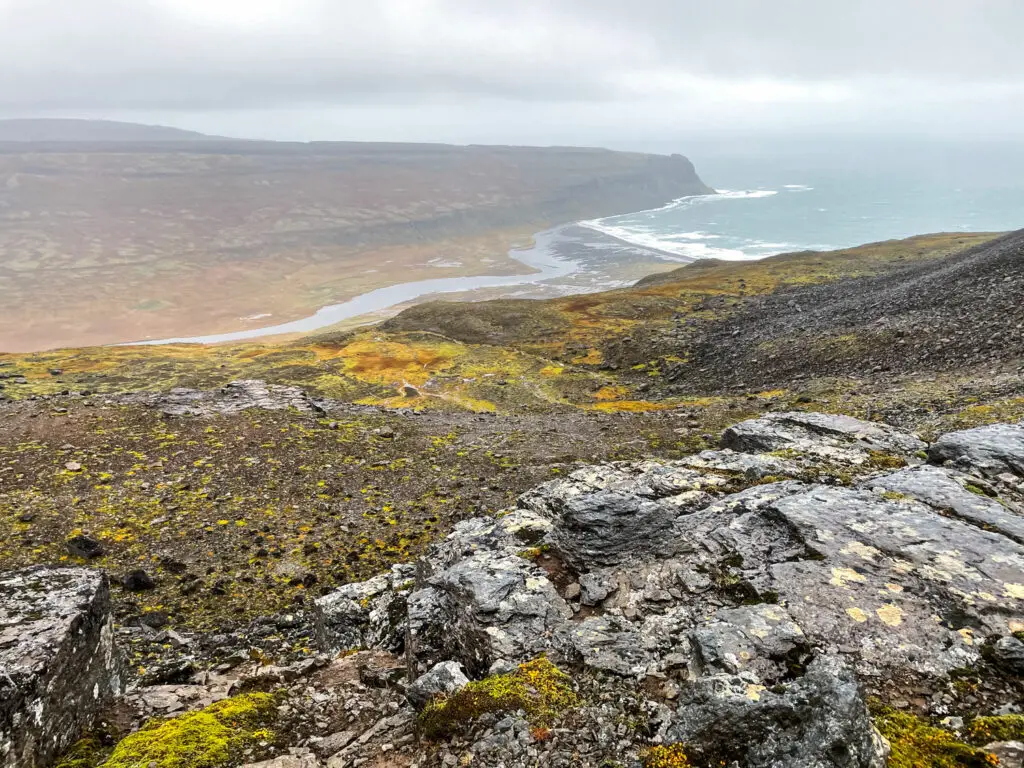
point(820, 591)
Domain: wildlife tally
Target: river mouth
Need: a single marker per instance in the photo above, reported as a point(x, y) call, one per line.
point(547, 260)
point(570, 258)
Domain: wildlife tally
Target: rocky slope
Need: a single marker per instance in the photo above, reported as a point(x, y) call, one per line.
point(818, 591)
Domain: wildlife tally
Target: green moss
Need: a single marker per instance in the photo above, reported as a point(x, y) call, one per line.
point(916, 744)
point(894, 496)
point(210, 738)
point(975, 490)
point(882, 460)
point(984, 730)
point(670, 756)
point(86, 753)
point(537, 687)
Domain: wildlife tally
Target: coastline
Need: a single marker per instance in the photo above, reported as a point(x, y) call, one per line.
point(539, 256)
point(550, 256)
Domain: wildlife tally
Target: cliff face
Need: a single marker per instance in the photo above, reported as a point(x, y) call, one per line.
point(285, 228)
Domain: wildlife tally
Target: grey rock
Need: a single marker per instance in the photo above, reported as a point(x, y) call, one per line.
point(442, 679)
point(762, 639)
point(818, 721)
point(945, 490)
point(610, 644)
point(1008, 652)
point(990, 450)
point(486, 607)
point(235, 397)
point(368, 614)
point(828, 436)
point(59, 666)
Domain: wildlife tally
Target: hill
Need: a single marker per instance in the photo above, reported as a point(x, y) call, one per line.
point(106, 242)
point(88, 131)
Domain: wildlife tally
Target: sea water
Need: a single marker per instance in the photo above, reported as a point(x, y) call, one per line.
point(782, 196)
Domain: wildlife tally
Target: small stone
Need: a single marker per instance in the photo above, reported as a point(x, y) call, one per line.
point(138, 581)
point(73, 466)
point(85, 546)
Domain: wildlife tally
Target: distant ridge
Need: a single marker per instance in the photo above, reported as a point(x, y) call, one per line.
point(72, 130)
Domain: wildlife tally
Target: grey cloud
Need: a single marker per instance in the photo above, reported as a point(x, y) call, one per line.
point(148, 54)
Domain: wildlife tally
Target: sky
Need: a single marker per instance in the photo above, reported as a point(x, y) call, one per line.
point(611, 72)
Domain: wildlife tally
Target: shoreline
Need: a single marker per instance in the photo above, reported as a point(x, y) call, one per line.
point(541, 255)
point(538, 256)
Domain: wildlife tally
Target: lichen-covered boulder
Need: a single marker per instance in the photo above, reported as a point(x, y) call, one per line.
point(990, 450)
point(58, 663)
point(952, 493)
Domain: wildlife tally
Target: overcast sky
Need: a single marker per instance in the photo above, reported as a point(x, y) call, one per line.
point(531, 71)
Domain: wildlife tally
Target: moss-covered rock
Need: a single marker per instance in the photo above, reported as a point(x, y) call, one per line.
point(670, 756)
point(210, 738)
point(537, 687)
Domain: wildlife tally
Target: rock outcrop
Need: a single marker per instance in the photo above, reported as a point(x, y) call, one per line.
point(755, 591)
point(58, 663)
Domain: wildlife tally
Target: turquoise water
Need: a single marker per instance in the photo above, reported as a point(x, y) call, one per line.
point(787, 197)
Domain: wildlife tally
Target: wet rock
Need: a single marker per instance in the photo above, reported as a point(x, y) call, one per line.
point(828, 436)
point(443, 678)
point(58, 663)
point(85, 547)
point(990, 450)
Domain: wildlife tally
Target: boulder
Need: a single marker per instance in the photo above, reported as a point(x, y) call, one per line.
point(817, 721)
point(828, 436)
point(366, 614)
point(486, 607)
point(990, 450)
point(442, 679)
point(58, 663)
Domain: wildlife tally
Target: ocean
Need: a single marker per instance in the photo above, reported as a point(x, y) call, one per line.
point(782, 197)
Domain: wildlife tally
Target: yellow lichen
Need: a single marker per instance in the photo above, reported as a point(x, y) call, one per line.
point(843, 576)
point(857, 615)
point(890, 614)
